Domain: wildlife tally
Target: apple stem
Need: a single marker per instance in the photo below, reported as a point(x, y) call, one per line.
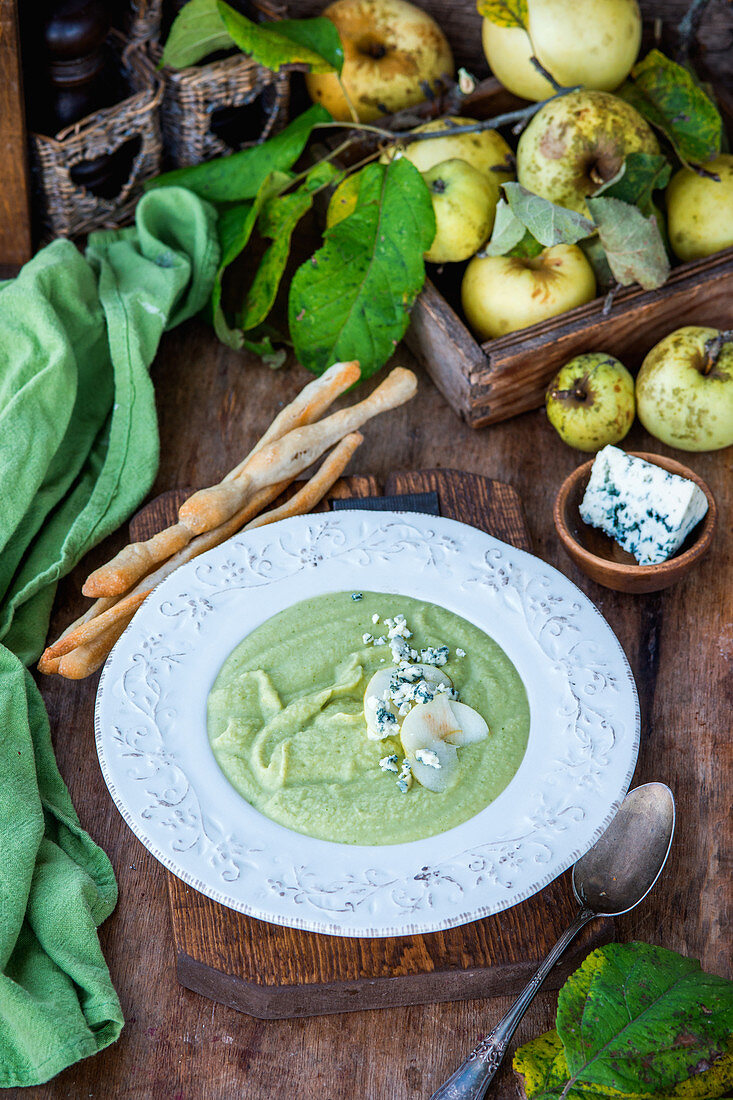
point(713, 348)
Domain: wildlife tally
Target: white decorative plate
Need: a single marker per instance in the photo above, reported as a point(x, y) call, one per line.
point(154, 752)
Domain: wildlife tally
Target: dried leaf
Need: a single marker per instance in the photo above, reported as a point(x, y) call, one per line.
point(505, 13)
point(197, 31)
point(312, 42)
point(239, 177)
point(632, 242)
point(666, 95)
point(352, 299)
point(548, 223)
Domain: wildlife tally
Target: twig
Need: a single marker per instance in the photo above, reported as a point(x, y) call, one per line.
point(547, 75)
point(474, 128)
point(608, 301)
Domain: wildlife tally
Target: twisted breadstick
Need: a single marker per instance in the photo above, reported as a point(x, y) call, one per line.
point(137, 559)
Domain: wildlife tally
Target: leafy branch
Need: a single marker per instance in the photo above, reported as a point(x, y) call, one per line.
point(205, 26)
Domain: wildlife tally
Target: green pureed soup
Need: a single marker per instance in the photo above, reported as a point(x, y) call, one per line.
point(286, 720)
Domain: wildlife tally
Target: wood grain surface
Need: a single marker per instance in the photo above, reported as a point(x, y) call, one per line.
point(15, 232)
point(275, 972)
point(177, 1045)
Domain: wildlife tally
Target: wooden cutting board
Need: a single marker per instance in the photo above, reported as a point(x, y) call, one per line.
point(274, 972)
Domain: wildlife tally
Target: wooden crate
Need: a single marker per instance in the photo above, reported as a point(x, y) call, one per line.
point(489, 382)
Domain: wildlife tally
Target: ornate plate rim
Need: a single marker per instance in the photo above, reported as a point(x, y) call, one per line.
point(348, 922)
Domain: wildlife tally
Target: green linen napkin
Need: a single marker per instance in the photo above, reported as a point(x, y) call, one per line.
point(78, 452)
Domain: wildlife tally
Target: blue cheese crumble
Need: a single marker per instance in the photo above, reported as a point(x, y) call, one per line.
point(357, 596)
point(404, 779)
point(427, 756)
point(648, 511)
point(389, 763)
point(434, 655)
point(460, 652)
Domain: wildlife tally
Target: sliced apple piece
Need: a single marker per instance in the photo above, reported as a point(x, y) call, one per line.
point(428, 723)
point(473, 727)
point(381, 714)
point(429, 673)
point(435, 778)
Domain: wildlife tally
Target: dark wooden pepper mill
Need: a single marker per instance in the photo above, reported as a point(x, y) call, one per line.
point(69, 74)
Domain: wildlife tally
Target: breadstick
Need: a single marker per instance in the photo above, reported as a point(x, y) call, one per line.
point(314, 490)
point(88, 631)
point(84, 631)
point(47, 664)
point(88, 655)
point(86, 659)
point(137, 559)
point(309, 405)
point(293, 453)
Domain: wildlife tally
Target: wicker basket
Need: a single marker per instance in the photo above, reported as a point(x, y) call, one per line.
point(67, 209)
point(191, 96)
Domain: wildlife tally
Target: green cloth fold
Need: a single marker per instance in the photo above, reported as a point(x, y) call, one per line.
point(78, 452)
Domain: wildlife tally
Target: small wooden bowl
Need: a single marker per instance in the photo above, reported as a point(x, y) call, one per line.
point(603, 560)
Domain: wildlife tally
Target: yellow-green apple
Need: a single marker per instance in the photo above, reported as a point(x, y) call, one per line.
point(501, 294)
point(485, 150)
point(700, 210)
point(464, 202)
point(590, 401)
point(578, 142)
point(684, 389)
point(393, 52)
point(593, 43)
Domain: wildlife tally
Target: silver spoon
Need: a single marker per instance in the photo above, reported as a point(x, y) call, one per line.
point(614, 876)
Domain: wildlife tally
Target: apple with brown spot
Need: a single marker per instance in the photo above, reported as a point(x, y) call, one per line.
point(501, 294)
point(578, 142)
point(590, 401)
point(684, 389)
point(395, 55)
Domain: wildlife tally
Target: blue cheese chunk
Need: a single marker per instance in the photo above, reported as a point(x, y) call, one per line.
point(648, 511)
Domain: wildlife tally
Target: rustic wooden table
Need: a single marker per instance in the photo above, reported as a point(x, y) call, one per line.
point(178, 1045)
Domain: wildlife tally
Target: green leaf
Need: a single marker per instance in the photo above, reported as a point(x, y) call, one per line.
point(641, 1019)
point(641, 175)
point(548, 223)
point(197, 31)
point(235, 229)
point(667, 97)
point(632, 242)
point(239, 177)
point(276, 221)
point(544, 1075)
point(505, 13)
point(352, 299)
point(596, 256)
point(508, 231)
point(312, 42)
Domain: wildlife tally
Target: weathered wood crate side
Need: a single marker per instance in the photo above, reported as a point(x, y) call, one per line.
point(499, 379)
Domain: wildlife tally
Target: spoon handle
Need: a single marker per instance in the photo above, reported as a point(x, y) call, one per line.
point(471, 1080)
